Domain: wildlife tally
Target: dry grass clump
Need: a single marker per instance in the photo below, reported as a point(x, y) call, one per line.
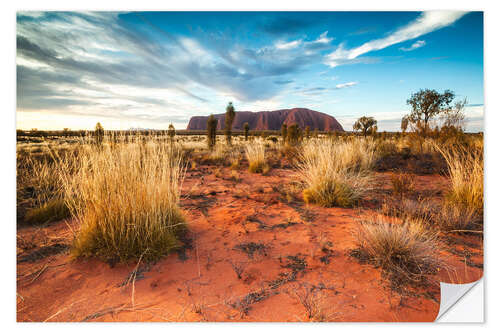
point(194, 145)
point(290, 152)
point(434, 214)
point(335, 174)
point(126, 200)
point(458, 219)
point(54, 210)
point(422, 209)
point(39, 187)
point(385, 147)
point(217, 155)
point(234, 159)
point(407, 251)
point(256, 156)
point(465, 166)
point(314, 301)
point(356, 154)
point(402, 184)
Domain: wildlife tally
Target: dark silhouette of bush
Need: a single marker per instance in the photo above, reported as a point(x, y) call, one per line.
point(230, 114)
point(426, 104)
point(284, 130)
point(246, 128)
point(171, 132)
point(294, 134)
point(308, 132)
point(366, 125)
point(99, 133)
point(211, 131)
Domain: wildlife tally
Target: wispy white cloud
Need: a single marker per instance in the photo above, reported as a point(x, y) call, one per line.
point(425, 23)
point(287, 46)
point(323, 38)
point(416, 45)
point(345, 85)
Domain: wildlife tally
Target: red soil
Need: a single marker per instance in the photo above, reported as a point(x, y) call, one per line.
point(202, 285)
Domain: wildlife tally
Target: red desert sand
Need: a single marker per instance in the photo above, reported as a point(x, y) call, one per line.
point(253, 257)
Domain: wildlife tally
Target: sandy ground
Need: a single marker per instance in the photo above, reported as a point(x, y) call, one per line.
point(286, 255)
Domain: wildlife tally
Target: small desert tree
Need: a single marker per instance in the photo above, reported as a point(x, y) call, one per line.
point(171, 132)
point(404, 123)
point(293, 134)
point(308, 132)
point(246, 128)
point(99, 133)
point(455, 118)
point(211, 131)
point(425, 105)
point(365, 124)
point(284, 130)
point(230, 114)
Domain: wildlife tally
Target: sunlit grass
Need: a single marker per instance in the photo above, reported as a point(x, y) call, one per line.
point(126, 201)
point(335, 173)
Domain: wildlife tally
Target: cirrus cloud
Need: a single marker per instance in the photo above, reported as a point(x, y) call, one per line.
point(424, 24)
point(416, 45)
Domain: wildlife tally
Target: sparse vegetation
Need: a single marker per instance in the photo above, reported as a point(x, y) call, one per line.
point(402, 184)
point(313, 300)
point(75, 179)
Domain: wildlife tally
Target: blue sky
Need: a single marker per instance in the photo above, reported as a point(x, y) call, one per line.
point(148, 69)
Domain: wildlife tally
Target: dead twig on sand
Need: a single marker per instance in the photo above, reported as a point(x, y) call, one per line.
point(62, 310)
point(132, 277)
point(469, 231)
point(116, 309)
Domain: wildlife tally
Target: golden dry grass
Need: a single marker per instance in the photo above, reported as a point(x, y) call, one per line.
point(405, 250)
point(466, 169)
point(335, 173)
point(255, 153)
point(126, 199)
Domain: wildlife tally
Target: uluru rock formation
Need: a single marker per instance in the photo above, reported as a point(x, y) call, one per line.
point(272, 120)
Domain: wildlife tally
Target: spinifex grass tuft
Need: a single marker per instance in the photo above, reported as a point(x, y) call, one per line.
point(256, 156)
point(465, 166)
point(406, 251)
point(335, 173)
point(127, 201)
